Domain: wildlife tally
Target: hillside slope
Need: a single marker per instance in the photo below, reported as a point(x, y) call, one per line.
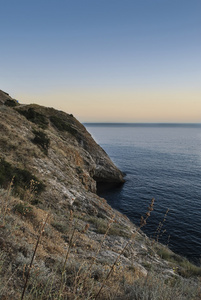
point(50, 164)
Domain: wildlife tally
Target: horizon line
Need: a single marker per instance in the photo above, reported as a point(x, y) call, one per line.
point(171, 123)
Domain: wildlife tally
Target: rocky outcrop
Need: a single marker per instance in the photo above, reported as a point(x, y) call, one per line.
point(70, 147)
point(50, 164)
point(6, 99)
point(3, 97)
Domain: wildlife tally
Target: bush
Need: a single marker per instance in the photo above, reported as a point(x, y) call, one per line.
point(62, 125)
point(11, 102)
point(101, 226)
point(41, 139)
point(61, 227)
point(23, 209)
point(22, 178)
point(35, 117)
point(184, 267)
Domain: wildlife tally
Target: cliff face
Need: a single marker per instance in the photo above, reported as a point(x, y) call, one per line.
point(53, 145)
point(50, 163)
point(4, 96)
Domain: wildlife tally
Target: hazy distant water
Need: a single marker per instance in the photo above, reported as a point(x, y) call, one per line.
point(161, 161)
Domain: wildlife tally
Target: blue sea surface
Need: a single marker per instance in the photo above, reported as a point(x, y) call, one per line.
point(161, 161)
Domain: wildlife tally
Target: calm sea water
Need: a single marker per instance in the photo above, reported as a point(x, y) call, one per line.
point(161, 161)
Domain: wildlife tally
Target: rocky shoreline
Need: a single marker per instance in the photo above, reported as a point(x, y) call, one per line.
point(55, 152)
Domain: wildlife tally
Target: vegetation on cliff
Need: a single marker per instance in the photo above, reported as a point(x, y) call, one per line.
point(58, 239)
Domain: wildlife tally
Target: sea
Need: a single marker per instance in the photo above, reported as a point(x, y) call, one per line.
point(160, 161)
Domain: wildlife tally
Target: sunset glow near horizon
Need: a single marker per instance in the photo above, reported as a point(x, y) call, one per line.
point(104, 61)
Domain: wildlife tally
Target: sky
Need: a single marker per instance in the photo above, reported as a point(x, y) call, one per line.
point(104, 60)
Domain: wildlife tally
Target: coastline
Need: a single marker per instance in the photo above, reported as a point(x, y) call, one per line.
point(58, 155)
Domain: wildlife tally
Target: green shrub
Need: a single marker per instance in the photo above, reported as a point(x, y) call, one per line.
point(23, 209)
point(102, 225)
point(165, 253)
point(184, 267)
point(35, 117)
point(41, 139)
point(188, 269)
point(61, 227)
point(22, 178)
point(11, 102)
point(62, 125)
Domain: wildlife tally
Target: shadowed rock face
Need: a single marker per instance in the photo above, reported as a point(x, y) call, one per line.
point(72, 154)
point(3, 97)
point(6, 99)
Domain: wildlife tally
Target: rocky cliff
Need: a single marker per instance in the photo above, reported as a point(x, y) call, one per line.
point(69, 145)
point(50, 164)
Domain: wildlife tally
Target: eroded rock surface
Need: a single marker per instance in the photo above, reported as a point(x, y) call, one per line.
point(72, 154)
point(50, 163)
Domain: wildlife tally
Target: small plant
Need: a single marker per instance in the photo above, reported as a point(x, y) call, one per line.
point(33, 256)
point(101, 227)
point(5, 202)
point(159, 232)
point(183, 266)
point(30, 192)
point(21, 178)
point(23, 209)
point(187, 269)
point(61, 227)
point(41, 139)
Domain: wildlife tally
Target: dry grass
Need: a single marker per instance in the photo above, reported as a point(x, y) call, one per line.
point(33, 256)
point(154, 287)
point(44, 263)
point(183, 266)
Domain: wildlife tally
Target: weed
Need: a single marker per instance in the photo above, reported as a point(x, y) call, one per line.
point(67, 254)
point(41, 139)
point(101, 227)
point(5, 202)
point(147, 265)
point(61, 227)
point(23, 209)
point(183, 266)
point(34, 253)
point(158, 233)
point(187, 269)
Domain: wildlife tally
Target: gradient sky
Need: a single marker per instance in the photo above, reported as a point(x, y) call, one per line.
point(104, 60)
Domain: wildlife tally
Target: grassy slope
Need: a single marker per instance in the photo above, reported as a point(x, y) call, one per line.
point(83, 236)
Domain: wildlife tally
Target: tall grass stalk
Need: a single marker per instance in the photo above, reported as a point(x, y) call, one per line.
point(80, 281)
point(34, 253)
point(158, 233)
point(5, 202)
point(67, 254)
point(99, 248)
point(142, 224)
